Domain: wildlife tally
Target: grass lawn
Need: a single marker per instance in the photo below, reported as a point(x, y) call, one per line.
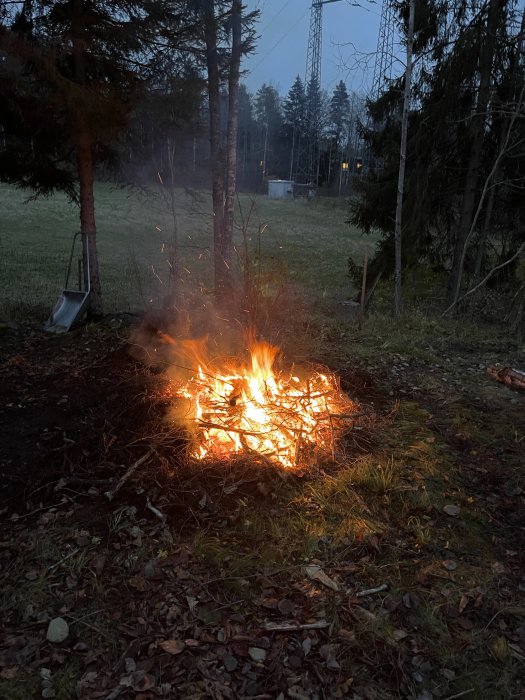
point(308, 242)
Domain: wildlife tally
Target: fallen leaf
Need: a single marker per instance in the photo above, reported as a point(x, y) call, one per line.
point(448, 673)
point(466, 623)
point(138, 583)
point(450, 564)
point(294, 662)
point(463, 603)
point(142, 681)
point(230, 662)
point(85, 684)
point(9, 673)
point(399, 635)
point(315, 573)
point(99, 562)
point(286, 607)
point(173, 646)
point(192, 602)
point(451, 510)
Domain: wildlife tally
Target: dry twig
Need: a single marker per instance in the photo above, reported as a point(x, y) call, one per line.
point(371, 591)
point(293, 627)
point(110, 495)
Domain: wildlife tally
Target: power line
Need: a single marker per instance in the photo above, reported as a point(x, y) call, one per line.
point(265, 56)
point(269, 24)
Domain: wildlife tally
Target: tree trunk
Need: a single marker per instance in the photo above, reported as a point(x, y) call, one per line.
point(292, 154)
point(476, 151)
point(171, 300)
point(402, 162)
point(214, 99)
point(231, 151)
point(85, 170)
point(485, 228)
point(88, 226)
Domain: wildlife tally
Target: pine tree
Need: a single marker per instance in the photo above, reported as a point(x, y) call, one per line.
point(294, 121)
point(268, 115)
point(339, 114)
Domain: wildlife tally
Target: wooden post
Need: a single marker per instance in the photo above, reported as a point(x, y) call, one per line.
point(363, 289)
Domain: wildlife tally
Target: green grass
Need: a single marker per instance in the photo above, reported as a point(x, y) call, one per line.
point(306, 242)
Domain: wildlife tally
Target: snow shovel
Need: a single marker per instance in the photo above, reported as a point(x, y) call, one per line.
point(72, 303)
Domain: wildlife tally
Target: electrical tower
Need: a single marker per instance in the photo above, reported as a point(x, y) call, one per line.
point(385, 50)
point(382, 71)
point(308, 160)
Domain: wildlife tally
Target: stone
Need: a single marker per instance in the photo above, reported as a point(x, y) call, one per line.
point(57, 631)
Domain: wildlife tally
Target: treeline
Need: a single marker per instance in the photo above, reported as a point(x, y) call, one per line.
point(274, 132)
point(464, 203)
point(146, 101)
point(166, 135)
point(272, 135)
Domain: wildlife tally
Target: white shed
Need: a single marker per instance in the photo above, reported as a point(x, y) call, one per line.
point(280, 189)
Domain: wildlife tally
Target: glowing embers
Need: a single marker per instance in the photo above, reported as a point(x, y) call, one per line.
point(230, 407)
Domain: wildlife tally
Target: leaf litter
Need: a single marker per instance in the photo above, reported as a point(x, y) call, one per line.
point(187, 616)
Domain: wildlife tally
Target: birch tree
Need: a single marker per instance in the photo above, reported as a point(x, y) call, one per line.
point(402, 161)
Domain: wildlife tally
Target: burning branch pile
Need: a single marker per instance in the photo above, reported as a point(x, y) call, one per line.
point(290, 418)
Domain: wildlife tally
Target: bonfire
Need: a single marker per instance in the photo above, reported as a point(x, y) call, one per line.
point(231, 407)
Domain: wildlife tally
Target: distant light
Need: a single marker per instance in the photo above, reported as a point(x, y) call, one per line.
point(344, 165)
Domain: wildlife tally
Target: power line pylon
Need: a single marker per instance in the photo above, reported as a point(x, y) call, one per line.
point(385, 50)
point(308, 161)
point(382, 70)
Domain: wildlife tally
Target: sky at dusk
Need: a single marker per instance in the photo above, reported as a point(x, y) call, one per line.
point(350, 31)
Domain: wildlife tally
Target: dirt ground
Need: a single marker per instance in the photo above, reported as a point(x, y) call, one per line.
point(239, 581)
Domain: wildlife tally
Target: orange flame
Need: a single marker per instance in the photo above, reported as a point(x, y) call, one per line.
point(251, 408)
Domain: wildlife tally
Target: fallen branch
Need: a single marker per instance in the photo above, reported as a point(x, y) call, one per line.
point(293, 627)
point(110, 495)
point(371, 591)
point(513, 378)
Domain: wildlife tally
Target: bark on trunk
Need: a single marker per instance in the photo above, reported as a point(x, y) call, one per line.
point(402, 162)
point(171, 299)
point(476, 151)
point(212, 62)
point(231, 152)
point(485, 228)
point(87, 220)
point(85, 169)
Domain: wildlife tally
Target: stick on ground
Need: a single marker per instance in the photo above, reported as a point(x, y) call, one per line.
point(110, 495)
